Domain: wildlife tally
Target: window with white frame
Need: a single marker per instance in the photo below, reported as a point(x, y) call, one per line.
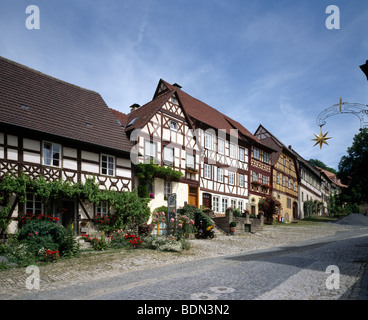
point(283, 181)
point(207, 171)
point(190, 160)
point(220, 175)
point(232, 150)
point(256, 153)
point(51, 154)
point(265, 179)
point(173, 125)
point(208, 141)
point(241, 180)
point(216, 204)
point(33, 203)
point(289, 183)
point(150, 149)
point(169, 156)
point(278, 178)
point(231, 177)
point(102, 209)
point(167, 189)
point(241, 154)
point(233, 203)
point(107, 165)
point(255, 176)
point(224, 205)
point(221, 146)
point(240, 205)
point(266, 157)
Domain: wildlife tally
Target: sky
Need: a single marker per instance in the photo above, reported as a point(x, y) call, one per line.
point(268, 62)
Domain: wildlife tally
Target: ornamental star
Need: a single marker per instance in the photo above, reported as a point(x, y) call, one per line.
point(321, 139)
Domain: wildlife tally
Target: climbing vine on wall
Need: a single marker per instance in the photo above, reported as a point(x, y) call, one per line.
point(146, 172)
point(129, 208)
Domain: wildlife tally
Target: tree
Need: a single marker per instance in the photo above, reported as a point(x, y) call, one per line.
point(319, 163)
point(353, 170)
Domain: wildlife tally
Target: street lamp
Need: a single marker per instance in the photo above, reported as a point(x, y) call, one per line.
point(364, 68)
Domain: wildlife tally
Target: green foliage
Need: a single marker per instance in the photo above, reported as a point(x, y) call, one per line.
point(99, 244)
point(19, 253)
point(70, 246)
point(269, 205)
point(40, 235)
point(146, 172)
point(130, 210)
point(192, 212)
point(311, 207)
point(353, 170)
point(320, 164)
point(232, 224)
point(161, 209)
point(163, 243)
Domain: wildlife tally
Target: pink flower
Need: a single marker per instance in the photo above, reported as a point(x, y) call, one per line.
point(156, 213)
point(180, 225)
point(31, 235)
point(36, 232)
point(172, 219)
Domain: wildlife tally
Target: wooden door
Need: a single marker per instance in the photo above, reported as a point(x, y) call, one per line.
point(193, 196)
point(206, 200)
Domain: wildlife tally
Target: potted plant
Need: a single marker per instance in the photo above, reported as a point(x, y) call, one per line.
point(232, 227)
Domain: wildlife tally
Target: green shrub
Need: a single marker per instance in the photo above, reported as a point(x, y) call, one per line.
point(40, 235)
point(163, 243)
point(99, 244)
point(196, 214)
point(70, 246)
point(18, 253)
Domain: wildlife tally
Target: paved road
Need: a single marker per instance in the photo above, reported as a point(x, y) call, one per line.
point(288, 272)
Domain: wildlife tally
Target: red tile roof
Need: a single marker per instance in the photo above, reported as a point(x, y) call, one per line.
point(194, 109)
point(33, 100)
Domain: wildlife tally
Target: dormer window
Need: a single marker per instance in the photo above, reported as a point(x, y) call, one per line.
point(173, 125)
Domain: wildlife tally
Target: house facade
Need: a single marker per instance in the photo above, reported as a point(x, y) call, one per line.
point(212, 150)
point(58, 131)
point(285, 177)
point(310, 185)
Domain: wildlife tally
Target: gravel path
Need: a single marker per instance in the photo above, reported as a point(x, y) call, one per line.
point(92, 265)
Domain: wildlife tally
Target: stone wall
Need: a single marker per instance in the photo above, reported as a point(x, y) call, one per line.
point(243, 224)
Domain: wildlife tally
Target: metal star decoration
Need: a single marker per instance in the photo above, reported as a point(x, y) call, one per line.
point(321, 139)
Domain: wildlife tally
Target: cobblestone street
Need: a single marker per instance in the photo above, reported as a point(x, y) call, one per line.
point(281, 262)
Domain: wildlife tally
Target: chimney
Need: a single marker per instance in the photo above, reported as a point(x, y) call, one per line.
point(134, 107)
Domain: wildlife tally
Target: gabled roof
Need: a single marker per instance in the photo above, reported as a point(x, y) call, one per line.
point(270, 140)
point(35, 101)
point(138, 118)
point(197, 111)
point(332, 177)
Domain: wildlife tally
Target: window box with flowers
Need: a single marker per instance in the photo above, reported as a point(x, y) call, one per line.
point(191, 170)
point(256, 183)
point(266, 186)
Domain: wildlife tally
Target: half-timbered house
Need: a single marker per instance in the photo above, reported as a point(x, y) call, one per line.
point(285, 176)
point(209, 148)
point(57, 130)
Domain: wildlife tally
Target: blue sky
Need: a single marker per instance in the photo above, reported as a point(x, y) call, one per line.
point(259, 61)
